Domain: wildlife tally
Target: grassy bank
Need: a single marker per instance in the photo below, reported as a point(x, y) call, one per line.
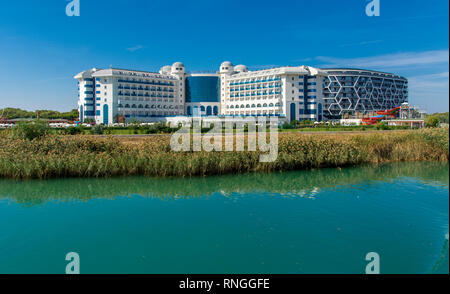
point(55, 156)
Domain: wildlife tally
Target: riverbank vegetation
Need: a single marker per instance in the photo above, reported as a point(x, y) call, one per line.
point(162, 128)
point(55, 156)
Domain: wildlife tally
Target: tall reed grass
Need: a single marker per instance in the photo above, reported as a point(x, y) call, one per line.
point(55, 156)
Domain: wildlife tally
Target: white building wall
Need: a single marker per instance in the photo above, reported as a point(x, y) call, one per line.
point(104, 95)
point(86, 101)
point(134, 94)
point(288, 90)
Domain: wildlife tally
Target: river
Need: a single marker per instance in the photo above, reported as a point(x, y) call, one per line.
point(316, 221)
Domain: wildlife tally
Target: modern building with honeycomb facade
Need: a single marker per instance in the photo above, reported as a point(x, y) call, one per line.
point(290, 93)
point(355, 93)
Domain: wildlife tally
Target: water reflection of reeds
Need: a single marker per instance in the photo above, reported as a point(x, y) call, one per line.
point(292, 184)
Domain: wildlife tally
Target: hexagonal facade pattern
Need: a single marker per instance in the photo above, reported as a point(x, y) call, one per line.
point(354, 92)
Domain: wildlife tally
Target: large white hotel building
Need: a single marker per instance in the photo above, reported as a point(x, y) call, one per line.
point(291, 93)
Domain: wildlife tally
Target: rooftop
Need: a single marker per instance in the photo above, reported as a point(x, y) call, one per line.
point(362, 70)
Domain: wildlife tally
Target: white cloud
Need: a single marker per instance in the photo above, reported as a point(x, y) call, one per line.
point(303, 60)
point(444, 75)
point(362, 43)
point(430, 91)
point(432, 83)
point(135, 48)
point(387, 61)
point(427, 73)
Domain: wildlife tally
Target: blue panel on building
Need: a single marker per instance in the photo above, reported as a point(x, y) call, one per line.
point(202, 89)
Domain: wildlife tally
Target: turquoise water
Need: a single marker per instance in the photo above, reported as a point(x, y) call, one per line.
point(320, 221)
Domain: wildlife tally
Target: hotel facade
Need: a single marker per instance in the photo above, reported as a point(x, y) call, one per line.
point(291, 93)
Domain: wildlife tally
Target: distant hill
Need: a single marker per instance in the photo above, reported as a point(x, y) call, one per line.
point(12, 113)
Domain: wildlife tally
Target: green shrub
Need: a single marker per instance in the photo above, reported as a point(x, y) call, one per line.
point(431, 121)
point(443, 117)
point(107, 131)
point(31, 130)
point(97, 130)
point(381, 126)
point(72, 131)
point(288, 126)
point(151, 130)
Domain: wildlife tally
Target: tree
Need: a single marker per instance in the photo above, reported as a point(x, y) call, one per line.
point(73, 130)
point(97, 130)
point(31, 130)
point(12, 113)
point(431, 121)
point(443, 117)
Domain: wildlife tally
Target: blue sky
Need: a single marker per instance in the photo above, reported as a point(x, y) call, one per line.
point(41, 48)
